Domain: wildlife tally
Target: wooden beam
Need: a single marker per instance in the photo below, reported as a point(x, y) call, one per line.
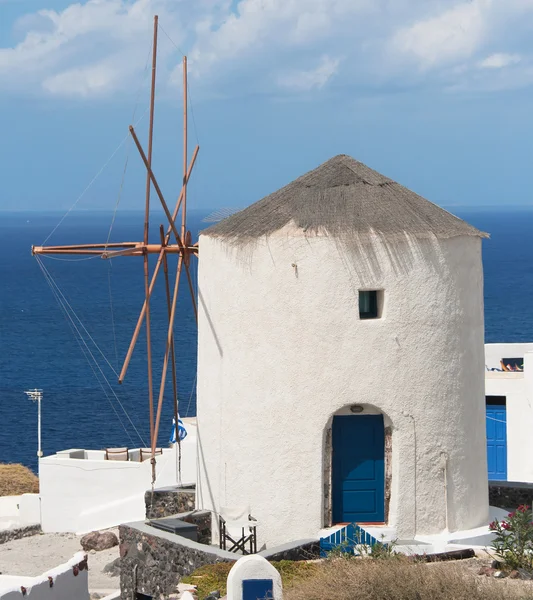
point(38, 249)
point(184, 211)
point(172, 353)
point(145, 261)
point(150, 249)
point(165, 360)
point(156, 186)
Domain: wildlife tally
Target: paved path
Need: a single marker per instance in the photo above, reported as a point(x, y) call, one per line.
point(36, 554)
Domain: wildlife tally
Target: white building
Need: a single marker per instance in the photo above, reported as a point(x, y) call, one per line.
point(340, 367)
point(81, 491)
point(509, 400)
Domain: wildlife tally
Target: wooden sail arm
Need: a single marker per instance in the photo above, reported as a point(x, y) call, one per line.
point(150, 249)
point(156, 271)
point(103, 250)
point(170, 218)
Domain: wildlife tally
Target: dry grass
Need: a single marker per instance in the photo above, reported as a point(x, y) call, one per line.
point(17, 479)
point(342, 579)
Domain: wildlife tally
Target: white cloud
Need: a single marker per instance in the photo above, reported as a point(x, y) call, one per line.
point(86, 81)
point(85, 49)
point(499, 61)
point(451, 35)
point(267, 27)
point(316, 78)
point(96, 48)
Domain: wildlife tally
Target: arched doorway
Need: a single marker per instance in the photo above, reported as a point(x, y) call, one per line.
point(358, 469)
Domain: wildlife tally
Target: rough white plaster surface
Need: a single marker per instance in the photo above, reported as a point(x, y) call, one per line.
point(282, 349)
point(252, 567)
point(518, 391)
point(66, 585)
point(85, 494)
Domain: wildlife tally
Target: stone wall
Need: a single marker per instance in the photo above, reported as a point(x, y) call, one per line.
point(201, 518)
point(153, 561)
point(509, 495)
point(168, 501)
point(20, 532)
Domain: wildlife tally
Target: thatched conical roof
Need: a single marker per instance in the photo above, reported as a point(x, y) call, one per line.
point(340, 198)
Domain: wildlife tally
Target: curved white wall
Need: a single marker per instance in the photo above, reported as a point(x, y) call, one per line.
point(282, 348)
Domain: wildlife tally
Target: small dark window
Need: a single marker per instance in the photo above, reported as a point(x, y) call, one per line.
point(139, 596)
point(370, 304)
point(495, 400)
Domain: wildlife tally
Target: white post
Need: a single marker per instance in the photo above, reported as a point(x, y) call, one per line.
point(37, 395)
point(39, 451)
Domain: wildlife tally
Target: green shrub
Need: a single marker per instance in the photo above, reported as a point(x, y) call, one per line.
point(513, 543)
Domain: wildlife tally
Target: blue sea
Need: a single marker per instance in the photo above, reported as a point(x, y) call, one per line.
point(83, 404)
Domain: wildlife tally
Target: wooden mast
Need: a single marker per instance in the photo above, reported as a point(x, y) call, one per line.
point(184, 209)
point(183, 247)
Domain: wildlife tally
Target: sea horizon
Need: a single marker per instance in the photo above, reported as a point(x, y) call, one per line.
point(39, 349)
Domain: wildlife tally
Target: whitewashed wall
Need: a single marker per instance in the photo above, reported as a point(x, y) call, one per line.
point(282, 349)
point(518, 390)
point(9, 511)
point(495, 352)
point(81, 495)
point(66, 585)
point(19, 511)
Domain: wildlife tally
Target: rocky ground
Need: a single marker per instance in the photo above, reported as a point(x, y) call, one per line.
point(34, 555)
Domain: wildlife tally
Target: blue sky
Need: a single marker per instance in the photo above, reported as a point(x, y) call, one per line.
point(433, 93)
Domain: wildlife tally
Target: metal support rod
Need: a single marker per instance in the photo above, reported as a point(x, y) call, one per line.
point(146, 231)
point(154, 277)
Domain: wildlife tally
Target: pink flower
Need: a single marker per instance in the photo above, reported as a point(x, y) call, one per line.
point(493, 525)
point(505, 525)
point(513, 514)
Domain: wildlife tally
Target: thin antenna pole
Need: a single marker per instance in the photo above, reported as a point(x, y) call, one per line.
point(184, 211)
point(146, 231)
point(37, 395)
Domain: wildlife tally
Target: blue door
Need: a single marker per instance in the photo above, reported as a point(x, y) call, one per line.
point(358, 469)
point(497, 441)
